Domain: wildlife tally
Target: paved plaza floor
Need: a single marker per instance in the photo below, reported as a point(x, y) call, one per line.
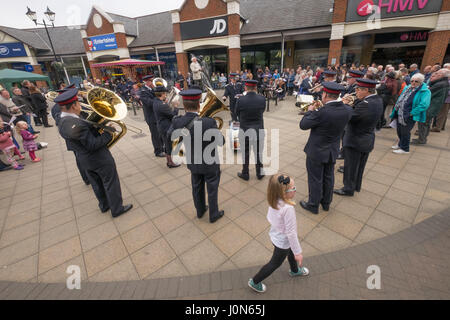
point(49, 219)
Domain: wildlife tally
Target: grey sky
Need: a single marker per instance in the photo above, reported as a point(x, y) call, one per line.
point(71, 12)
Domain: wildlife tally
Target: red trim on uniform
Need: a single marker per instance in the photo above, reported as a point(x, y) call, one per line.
point(366, 85)
point(331, 91)
point(63, 103)
point(192, 97)
point(248, 84)
point(355, 75)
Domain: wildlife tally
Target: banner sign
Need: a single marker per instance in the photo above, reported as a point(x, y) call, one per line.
point(401, 37)
point(8, 50)
point(361, 10)
point(103, 42)
point(205, 28)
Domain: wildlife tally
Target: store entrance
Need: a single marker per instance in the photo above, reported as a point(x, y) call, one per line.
point(396, 55)
point(216, 60)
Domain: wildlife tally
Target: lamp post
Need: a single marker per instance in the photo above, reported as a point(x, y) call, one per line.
point(51, 17)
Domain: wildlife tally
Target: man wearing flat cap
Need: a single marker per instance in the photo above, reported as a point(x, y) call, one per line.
point(91, 150)
point(147, 97)
point(359, 138)
point(249, 111)
point(232, 92)
point(327, 125)
point(202, 160)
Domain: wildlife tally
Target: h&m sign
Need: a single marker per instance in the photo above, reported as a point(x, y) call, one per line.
point(205, 28)
point(361, 10)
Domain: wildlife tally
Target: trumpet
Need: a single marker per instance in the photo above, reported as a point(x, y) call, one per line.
point(349, 99)
point(316, 88)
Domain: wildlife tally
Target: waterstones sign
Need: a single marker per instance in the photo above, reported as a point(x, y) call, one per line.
point(361, 10)
point(103, 42)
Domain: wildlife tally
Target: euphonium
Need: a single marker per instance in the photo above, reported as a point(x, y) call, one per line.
point(107, 107)
point(51, 95)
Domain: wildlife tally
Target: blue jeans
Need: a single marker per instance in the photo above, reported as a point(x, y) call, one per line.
point(404, 133)
point(30, 127)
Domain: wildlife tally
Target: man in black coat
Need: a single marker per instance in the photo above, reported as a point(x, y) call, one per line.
point(205, 168)
point(232, 92)
point(91, 150)
point(26, 93)
point(359, 138)
point(249, 110)
point(147, 97)
point(326, 124)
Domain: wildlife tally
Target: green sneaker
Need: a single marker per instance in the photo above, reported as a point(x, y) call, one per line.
point(302, 271)
point(260, 287)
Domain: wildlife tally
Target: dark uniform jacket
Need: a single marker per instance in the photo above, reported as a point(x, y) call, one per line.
point(207, 123)
point(249, 110)
point(231, 91)
point(164, 115)
point(147, 97)
point(360, 131)
point(349, 90)
point(87, 143)
point(327, 125)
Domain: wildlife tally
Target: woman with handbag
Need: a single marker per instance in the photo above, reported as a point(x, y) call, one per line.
point(40, 104)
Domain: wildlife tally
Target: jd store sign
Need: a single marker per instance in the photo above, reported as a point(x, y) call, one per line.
point(361, 10)
point(205, 28)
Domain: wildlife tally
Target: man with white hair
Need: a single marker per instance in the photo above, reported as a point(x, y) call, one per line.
point(438, 86)
point(413, 69)
point(441, 118)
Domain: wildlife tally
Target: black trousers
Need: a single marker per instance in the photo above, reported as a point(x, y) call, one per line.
point(42, 115)
point(354, 165)
point(106, 185)
point(424, 130)
point(158, 144)
point(83, 173)
point(275, 262)
point(212, 181)
point(320, 181)
point(246, 155)
point(233, 113)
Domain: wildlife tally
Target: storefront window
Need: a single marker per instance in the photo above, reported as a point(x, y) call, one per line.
point(350, 55)
point(75, 71)
point(248, 60)
point(275, 60)
point(311, 57)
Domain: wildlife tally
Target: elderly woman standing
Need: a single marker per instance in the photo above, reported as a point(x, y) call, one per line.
point(411, 106)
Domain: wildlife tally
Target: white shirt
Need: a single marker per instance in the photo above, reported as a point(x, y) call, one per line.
point(68, 114)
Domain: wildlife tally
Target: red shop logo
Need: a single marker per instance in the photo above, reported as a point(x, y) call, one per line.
point(365, 7)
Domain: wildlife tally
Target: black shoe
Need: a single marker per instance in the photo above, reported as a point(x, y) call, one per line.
point(125, 209)
point(48, 126)
point(305, 205)
point(201, 216)
point(341, 169)
point(245, 177)
point(173, 165)
point(160, 155)
point(104, 210)
point(325, 207)
point(342, 192)
point(6, 168)
point(386, 126)
point(219, 215)
point(260, 176)
point(87, 183)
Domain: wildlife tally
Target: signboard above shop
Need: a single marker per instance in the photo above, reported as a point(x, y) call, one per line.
point(103, 42)
point(402, 37)
point(362, 10)
point(205, 28)
point(8, 50)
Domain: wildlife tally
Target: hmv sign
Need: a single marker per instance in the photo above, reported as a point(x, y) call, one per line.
point(205, 28)
point(361, 10)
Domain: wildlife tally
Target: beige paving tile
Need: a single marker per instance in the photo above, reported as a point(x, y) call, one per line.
point(228, 265)
point(98, 235)
point(170, 221)
point(343, 224)
point(180, 197)
point(158, 207)
point(140, 236)
point(59, 274)
point(367, 198)
point(252, 222)
point(236, 186)
point(420, 170)
point(91, 220)
point(379, 177)
point(58, 254)
point(173, 269)
point(305, 225)
point(32, 194)
point(253, 254)
point(439, 184)
point(86, 207)
point(308, 251)
point(432, 207)
point(21, 218)
point(131, 219)
point(414, 178)
point(57, 219)
point(171, 186)
point(251, 196)
point(209, 228)
point(21, 271)
point(234, 208)
point(374, 187)
point(368, 234)
point(58, 234)
point(123, 270)
point(421, 216)
point(60, 195)
point(230, 239)
point(152, 257)
point(398, 210)
point(184, 238)
point(18, 234)
point(437, 195)
point(55, 206)
point(412, 187)
point(354, 209)
point(22, 206)
point(204, 257)
point(387, 223)
point(105, 255)
point(141, 186)
point(327, 240)
point(404, 197)
point(148, 196)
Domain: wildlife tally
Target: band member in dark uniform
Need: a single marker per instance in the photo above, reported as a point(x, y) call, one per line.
point(147, 97)
point(164, 115)
point(249, 110)
point(56, 114)
point(90, 148)
point(233, 89)
point(201, 171)
point(359, 138)
point(326, 124)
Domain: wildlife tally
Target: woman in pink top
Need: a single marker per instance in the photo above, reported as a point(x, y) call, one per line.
point(283, 231)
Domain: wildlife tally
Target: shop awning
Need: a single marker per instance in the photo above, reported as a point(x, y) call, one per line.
point(128, 63)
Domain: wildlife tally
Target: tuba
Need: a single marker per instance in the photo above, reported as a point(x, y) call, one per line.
point(107, 107)
point(51, 95)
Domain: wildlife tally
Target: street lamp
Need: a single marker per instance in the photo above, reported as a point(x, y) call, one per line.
point(51, 17)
